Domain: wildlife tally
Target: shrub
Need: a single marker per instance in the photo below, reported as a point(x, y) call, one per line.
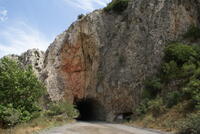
point(62, 108)
point(153, 86)
point(197, 49)
point(142, 108)
point(188, 70)
point(192, 92)
point(190, 125)
point(156, 107)
point(193, 33)
point(196, 74)
point(170, 70)
point(80, 16)
point(117, 6)
point(173, 98)
point(9, 116)
point(19, 88)
point(179, 53)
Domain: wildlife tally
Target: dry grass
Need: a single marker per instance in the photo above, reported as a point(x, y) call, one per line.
point(35, 126)
point(165, 122)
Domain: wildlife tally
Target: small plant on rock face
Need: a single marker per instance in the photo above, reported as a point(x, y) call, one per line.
point(80, 16)
point(122, 59)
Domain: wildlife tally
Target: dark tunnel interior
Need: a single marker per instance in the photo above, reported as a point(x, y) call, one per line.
point(89, 110)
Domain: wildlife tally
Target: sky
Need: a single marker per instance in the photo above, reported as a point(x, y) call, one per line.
point(28, 24)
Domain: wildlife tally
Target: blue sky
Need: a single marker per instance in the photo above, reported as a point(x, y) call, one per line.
point(27, 24)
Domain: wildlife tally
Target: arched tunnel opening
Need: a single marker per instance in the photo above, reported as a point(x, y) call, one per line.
point(89, 110)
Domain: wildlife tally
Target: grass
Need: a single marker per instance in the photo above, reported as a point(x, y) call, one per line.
point(35, 125)
point(168, 121)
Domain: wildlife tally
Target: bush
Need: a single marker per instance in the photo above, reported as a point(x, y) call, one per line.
point(9, 116)
point(179, 53)
point(170, 70)
point(156, 106)
point(80, 16)
point(117, 6)
point(153, 86)
point(188, 70)
point(190, 125)
point(192, 92)
point(20, 89)
point(193, 33)
point(196, 74)
point(142, 108)
point(62, 108)
point(173, 98)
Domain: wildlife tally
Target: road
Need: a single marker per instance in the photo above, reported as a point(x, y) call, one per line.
point(97, 128)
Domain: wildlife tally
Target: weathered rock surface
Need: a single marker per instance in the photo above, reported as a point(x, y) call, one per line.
point(107, 56)
point(33, 57)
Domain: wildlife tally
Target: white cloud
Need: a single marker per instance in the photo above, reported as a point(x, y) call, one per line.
point(20, 37)
point(3, 15)
point(88, 5)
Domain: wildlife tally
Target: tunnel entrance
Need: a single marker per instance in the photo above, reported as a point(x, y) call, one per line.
point(90, 110)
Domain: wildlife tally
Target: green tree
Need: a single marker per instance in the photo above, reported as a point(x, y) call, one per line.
point(20, 90)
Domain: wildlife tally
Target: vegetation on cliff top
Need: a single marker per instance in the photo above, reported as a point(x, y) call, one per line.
point(117, 6)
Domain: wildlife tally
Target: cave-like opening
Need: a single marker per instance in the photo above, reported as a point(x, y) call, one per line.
point(89, 110)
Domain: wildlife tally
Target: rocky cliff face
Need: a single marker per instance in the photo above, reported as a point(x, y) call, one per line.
point(107, 56)
point(33, 57)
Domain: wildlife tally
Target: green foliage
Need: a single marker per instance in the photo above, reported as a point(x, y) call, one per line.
point(62, 108)
point(117, 6)
point(142, 108)
point(172, 98)
point(190, 125)
point(193, 33)
point(9, 115)
point(177, 82)
point(170, 70)
point(188, 70)
point(20, 90)
point(192, 91)
point(80, 16)
point(156, 106)
point(179, 53)
point(153, 86)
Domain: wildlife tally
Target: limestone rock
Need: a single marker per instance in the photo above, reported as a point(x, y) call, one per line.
point(107, 56)
point(33, 57)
